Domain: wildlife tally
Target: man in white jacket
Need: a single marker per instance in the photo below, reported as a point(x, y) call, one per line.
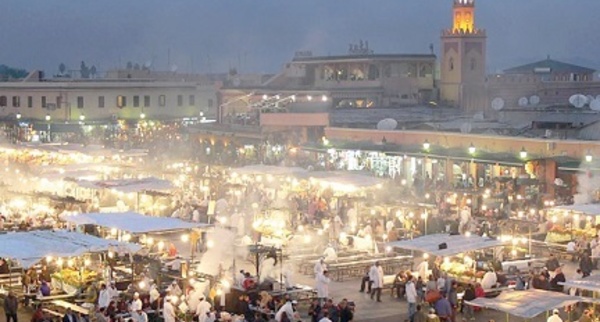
point(323, 286)
point(376, 276)
point(288, 309)
point(411, 297)
point(202, 309)
point(169, 311)
point(104, 297)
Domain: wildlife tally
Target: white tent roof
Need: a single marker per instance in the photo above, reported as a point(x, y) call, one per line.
point(587, 209)
point(132, 222)
point(456, 244)
point(590, 283)
point(129, 185)
point(339, 178)
point(268, 169)
point(528, 304)
point(28, 248)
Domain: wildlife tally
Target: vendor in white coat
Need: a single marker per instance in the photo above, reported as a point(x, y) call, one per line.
point(202, 309)
point(169, 311)
point(376, 276)
point(323, 285)
point(320, 267)
point(104, 297)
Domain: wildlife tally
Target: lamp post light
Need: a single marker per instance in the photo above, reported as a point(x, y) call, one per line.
point(82, 117)
point(18, 116)
point(426, 145)
point(472, 149)
point(589, 157)
point(523, 153)
point(48, 118)
point(142, 116)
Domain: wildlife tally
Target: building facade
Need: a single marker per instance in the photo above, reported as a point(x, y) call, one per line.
point(106, 99)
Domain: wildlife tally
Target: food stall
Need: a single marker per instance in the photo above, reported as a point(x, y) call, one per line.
point(572, 221)
point(452, 248)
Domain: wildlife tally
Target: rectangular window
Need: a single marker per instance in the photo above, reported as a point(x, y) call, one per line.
point(101, 101)
point(58, 101)
point(136, 101)
point(30, 101)
point(179, 100)
point(162, 100)
point(147, 101)
point(79, 101)
point(16, 101)
point(192, 100)
point(44, 103)
point(121, 101)
point(210, 102)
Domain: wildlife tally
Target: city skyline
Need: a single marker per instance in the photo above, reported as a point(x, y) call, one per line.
point(261, 37)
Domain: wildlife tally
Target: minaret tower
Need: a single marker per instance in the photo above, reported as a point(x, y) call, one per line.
point(463, 65)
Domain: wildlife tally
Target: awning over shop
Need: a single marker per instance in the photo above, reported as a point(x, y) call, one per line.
point(587, 209)
point(456, 244)
point(132, 222)
point(528, 304)
point(129, 185)
point(29, 248)
point(268, 169)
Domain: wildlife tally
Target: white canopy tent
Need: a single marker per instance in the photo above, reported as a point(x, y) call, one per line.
point(261, 169)
point(528, 304)
point(590, 283)
point(456, 244)
point(344, 181)
point(129, 185)
point(28, 248)
point(587, 209)
point(132, 222)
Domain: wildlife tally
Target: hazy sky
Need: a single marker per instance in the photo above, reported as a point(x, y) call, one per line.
point(262, 35)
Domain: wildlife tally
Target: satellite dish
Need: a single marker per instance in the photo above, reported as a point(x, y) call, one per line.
point(578, 100)
point(534, 100)
point(466, 127)
point(595, 105)
point(497, 104)
point(523, 101)
point(173, 68)
point(387, 125)
point(478, 116)
point(590, 98)
point(148, 64)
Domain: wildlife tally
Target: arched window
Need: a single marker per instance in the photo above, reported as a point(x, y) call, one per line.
point(473, 63)
point(451, 63)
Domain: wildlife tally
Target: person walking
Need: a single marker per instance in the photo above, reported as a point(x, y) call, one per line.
point(585, 264)
point(376, 275)
point(468, 311)
point(11, 304)
point(411, 298)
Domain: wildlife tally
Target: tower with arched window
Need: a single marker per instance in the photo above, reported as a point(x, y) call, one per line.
point(462, 67)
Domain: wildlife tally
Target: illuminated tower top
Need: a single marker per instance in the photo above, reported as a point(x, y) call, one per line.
point(464, 16)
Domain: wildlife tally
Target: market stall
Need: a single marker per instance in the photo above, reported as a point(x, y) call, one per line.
point(455, 251)
point(572, 221)
point(70, 253)
point(528, 304)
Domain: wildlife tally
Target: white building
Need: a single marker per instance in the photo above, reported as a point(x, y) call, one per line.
point(66, 100)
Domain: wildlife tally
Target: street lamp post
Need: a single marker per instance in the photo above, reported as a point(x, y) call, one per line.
point(48, 119)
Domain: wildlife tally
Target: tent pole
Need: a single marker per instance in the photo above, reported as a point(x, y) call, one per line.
point(507, 317)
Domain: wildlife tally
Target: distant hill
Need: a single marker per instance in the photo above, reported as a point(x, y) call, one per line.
point(10, 73)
